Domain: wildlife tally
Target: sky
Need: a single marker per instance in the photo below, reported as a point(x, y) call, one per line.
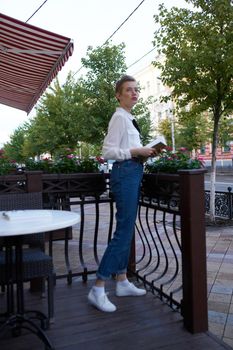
point(87, 23)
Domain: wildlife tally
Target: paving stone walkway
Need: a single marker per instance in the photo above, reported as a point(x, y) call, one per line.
point(219, 241)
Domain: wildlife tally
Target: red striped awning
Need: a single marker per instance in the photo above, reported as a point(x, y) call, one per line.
point(30, 57)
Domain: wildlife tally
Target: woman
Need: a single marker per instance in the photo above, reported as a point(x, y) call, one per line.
point(122, 144)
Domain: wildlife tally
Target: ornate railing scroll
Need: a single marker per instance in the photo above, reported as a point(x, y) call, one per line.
point(223, 204)
point(85, 194)
point(170, 243)
point(158, 248)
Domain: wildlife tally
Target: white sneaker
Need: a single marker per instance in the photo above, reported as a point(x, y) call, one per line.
point(101, 302)
point(129, 290)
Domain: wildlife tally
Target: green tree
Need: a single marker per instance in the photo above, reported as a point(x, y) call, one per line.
point(142, 115)
point(199, 61)
point(164, 128)
point(194, 130)
point(14, 148)
point(225, 130)
point(191, 132)
point(104, 65)
point(56, 124)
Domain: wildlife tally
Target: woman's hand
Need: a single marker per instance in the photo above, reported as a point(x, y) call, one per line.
point(143, 152)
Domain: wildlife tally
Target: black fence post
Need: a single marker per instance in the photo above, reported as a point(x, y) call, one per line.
point(230, 196)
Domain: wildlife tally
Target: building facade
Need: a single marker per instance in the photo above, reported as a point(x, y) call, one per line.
point(151, 85)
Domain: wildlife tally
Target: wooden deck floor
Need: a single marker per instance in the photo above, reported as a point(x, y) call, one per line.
point(138, 324)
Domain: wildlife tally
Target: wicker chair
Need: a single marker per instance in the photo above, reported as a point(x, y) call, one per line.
point(36, 264)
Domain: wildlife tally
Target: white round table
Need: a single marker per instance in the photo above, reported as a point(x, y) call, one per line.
point(14, 226)
point(25, 222)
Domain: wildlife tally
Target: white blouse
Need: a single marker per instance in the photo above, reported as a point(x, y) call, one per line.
point(121, 137)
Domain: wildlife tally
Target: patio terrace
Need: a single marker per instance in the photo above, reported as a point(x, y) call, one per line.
point(162, 240)
point(138, 323)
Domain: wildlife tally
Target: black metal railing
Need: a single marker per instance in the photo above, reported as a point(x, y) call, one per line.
point(158, 249)
point(157, 238)
point(157, 242)
point(223, 204)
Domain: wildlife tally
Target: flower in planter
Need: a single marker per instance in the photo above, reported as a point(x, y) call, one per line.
point(65, 162)
point(100, 160)
point(7, 166)
point(42, 164)
point(69, 162)
point(170, 162)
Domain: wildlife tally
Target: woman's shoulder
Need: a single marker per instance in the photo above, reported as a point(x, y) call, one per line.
point(118, 115)
point(121, 113)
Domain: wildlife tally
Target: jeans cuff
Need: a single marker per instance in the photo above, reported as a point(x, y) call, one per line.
point(121, 272)
point(101, 277)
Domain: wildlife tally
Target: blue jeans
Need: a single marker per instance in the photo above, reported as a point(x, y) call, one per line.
point(125, 182)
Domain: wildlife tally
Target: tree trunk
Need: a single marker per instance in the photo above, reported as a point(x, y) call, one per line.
point(213, 167)
point(212, 188)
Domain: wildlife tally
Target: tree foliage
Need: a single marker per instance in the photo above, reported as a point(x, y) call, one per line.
point(142, 115)
point(104, 65)
point(225, 130)
point(14, 148)
point(199, 60)
point(198, 49)
point(55, 125)
point(164, 128)
point(194, 129)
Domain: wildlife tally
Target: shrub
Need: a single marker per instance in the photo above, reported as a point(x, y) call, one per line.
point(170, 162)
point(7, 165)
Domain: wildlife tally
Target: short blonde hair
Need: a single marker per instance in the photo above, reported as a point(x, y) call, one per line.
point(120, 82)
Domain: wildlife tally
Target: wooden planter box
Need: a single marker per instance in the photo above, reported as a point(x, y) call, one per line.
point(162, 184)
point(12, 183)
point(77, 184)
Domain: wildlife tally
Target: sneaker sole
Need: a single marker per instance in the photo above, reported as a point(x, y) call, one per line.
point(130, 295)
point(97, 306)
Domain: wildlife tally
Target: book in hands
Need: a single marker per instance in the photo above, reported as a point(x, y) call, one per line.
point(157, 143)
